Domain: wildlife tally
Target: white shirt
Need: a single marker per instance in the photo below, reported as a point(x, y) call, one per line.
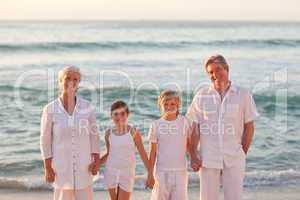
point(221, 124)
point(69, 140)
point(171, 138)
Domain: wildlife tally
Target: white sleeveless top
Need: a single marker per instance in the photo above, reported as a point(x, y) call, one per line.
point(121, 152)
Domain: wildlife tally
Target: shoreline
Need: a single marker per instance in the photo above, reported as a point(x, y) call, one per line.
point(261, 193)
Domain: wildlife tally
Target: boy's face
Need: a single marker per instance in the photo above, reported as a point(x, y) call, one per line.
point(119, 116)
point(170, 106)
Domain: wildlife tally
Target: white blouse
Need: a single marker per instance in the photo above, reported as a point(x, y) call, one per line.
point(69, 140)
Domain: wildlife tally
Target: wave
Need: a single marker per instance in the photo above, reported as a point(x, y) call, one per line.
point(252, 179)
point(131, 45)
point(23, 184)
point(267, 101)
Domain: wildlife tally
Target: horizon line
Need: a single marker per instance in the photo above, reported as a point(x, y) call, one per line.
point(150, 20)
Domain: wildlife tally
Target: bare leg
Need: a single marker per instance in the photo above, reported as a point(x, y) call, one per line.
point(123, 195)
point(113, 193)
point(84, 194)
point(60, 194)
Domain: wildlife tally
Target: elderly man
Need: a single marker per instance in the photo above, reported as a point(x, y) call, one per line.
point(222, 116)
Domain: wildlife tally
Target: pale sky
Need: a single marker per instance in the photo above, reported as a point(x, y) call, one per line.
point(151, 9)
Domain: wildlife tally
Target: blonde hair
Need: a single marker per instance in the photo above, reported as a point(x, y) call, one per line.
point(65, 70)
point(167, 95)
point(217, 59)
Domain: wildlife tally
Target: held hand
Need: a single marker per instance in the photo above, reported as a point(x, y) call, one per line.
point(49, 175)
point(150, 182)
point(196, 164)
point(91, 168)
point(94, 167)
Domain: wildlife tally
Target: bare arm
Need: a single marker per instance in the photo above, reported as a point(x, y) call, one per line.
point(247, 136)
point(188, 146)
point(152, 156)
point(152, 159)
point(140, 146)
point(196, 163)
point(104, 157)
point(194, 140)
point(48, 163)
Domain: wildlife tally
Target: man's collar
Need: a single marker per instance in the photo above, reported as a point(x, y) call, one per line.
point(232, 88)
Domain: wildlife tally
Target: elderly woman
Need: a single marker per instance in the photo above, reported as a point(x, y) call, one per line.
point(70, 141)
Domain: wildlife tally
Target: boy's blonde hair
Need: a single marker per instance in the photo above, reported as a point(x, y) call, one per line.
point(167, 95)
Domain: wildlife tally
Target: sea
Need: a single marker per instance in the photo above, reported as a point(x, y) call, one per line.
point(134, 61)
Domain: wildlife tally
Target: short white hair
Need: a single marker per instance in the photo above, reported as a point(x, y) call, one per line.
point(67, 69)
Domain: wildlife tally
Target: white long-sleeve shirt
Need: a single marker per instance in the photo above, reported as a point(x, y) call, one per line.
point(221, 124)
point(69, 140)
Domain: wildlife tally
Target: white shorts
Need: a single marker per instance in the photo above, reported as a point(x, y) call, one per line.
point(114, 178)
point(170, 185)
point(81, 194)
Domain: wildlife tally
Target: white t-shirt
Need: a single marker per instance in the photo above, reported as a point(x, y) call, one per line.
point(171, 138)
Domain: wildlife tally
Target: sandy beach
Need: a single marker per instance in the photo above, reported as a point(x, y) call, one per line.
point(269, 193)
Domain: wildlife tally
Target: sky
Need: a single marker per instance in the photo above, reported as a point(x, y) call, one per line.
point(253, 10)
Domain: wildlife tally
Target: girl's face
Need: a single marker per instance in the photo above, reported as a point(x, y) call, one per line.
point(70, 82)
point(119, 116)
point(170, 106)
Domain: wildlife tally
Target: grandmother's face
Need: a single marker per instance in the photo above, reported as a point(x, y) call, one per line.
point(70, 82)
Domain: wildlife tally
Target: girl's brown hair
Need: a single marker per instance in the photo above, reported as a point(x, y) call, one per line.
point(119, 104)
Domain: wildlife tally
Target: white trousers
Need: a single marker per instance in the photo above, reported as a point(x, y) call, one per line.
point(232, 179)
point(170, 185)
point(82, 194)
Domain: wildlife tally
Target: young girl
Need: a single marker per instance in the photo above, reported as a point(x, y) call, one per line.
point(121, 141)
point(168, 137)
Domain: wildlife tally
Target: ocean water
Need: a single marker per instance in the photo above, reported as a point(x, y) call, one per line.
point(134, 61)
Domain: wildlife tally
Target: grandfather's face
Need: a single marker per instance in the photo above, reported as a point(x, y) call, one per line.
point(217, 74)
point(70, 82)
